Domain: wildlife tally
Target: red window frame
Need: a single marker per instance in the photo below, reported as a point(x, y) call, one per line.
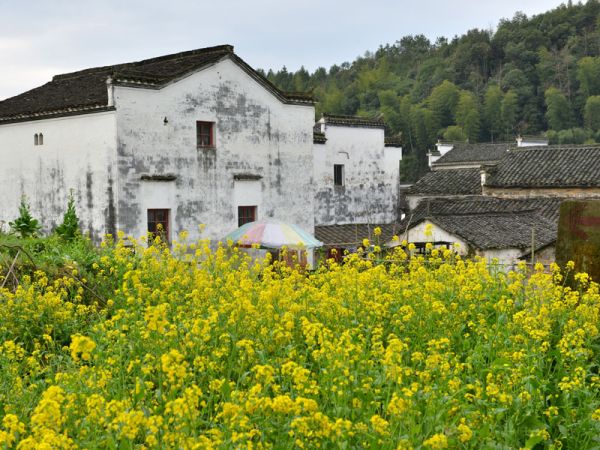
point(205, 134)
point(246, 214)
point(156, 218)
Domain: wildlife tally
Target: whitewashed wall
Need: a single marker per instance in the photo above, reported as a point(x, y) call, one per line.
point(256, 134)
point(78, 153)
point(371, 175)
point(418, 233)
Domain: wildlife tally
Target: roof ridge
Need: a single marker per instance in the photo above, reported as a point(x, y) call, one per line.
point(114, 67)
point(349, 117)
point(555, 147)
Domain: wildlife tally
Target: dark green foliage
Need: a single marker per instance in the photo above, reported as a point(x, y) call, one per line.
point(558, 110)
point(69, 228)
point(509, 113)
point(455, 133)
point(530, 75)
point(467, 115)
point(25, 225)
point(592, 113)
point(492, 111)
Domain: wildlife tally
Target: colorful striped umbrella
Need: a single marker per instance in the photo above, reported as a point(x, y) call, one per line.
point(272, 234)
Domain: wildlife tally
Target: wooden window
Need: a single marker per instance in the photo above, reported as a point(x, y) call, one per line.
point(205, 134)
point(158, 223)
point(41, 139)
point(36, 139)
point(338, 174)
point(246, 214)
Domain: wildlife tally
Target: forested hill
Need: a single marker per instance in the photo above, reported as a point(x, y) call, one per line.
point(533, 75)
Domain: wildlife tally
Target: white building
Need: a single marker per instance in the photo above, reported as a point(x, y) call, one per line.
point(193, 138)
point(356, 172)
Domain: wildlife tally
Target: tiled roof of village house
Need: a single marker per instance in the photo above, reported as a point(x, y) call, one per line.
point(319, 137)
point(499, 230)
point(353, 121)
point(474, 153)
point(490, 223)
point(448, 182)
point(86, 90)
point(393, 141)
point(548, 166)
point(352, 235)
point(478, 204)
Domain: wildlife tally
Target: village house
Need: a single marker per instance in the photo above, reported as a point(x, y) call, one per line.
point(197, 137)
point(505, 229)
point(356, 177)
point(505, 205)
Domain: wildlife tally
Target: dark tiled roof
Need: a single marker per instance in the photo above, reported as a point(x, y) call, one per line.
point(474, 153)
point(548, 166)
point(353, 121)
point(545, 206)
point(489, 222)
point(448, 182)
point(352, 235)
point(499, 231)
point(86, 89)
point(319, 138)
point(393, 141)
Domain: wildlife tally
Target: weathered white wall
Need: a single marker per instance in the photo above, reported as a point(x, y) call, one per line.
point(256, 134)
point(507, 257)
point(78, 153)
point(418, 233)
point(371, 174)
point(248, 193)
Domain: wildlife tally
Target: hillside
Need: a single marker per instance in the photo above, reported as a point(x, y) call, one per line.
point(532, 75)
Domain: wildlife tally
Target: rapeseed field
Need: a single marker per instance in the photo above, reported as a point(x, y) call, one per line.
point(196, 348)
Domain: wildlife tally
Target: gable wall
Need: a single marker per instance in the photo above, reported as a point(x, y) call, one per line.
point(78, 153)
point(256, 134)
point(370, 191)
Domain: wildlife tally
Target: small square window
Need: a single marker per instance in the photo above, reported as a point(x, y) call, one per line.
point(158, 223)
point(338, 174)
point(246, 214)
point(205, 134)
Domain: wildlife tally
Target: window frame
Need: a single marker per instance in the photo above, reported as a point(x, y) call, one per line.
point(339, 179)
point(200, 134)
point(166, 222)
point(243, 219)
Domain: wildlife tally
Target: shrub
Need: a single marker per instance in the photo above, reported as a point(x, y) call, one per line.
point(25, 225)
point(69, 228)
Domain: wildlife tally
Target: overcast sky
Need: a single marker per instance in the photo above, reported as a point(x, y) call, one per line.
point(40, 38)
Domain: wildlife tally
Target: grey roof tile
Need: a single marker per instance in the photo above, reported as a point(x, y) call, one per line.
point(474, 153)
point(548, 166)
point(448, 182)
point(87, 88)
point(490, 222)
point(351, 235)
point(353, 121)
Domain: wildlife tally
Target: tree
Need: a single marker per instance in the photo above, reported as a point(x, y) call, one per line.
point(25, 225)
point(442, 103)
point(588, 74)
point(455, 133)
point(509, 113)
point(492, 110)
point(69, 228)
point(421, 128)
point(467, 115)
point(592, 113)
point(558, 110)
